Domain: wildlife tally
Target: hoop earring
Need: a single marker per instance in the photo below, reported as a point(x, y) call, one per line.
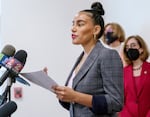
point(94, 36)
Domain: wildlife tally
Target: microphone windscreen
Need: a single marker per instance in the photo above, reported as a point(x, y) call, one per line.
point(21, 56)
point(9, 50)
point(7, 109)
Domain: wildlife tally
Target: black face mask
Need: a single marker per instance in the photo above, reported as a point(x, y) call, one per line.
point(110, 38)
point(133, 54)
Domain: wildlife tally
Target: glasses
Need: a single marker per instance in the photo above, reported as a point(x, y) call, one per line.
point(132, 45)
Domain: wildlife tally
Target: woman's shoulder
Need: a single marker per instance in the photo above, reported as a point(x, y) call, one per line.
point(147, 63)
point(104, 47)
point(127, 67)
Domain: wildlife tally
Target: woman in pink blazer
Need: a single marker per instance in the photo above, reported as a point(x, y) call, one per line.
point(136, 78)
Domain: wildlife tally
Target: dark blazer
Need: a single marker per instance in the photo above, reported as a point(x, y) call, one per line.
point(101, 76)
point(137, 100)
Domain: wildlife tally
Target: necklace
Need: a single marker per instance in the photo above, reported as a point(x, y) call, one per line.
point(137, 68)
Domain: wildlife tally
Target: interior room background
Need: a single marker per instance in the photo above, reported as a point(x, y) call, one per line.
point(42, 28)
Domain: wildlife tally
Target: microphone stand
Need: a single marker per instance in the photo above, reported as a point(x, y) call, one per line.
point(6, 96)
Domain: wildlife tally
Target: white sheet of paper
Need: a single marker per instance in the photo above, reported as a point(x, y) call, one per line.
point(40, 78)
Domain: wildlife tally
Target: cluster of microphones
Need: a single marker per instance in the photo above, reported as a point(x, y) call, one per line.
point(11, 63)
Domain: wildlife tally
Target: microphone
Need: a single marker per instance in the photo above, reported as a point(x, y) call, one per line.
point(7, 109)
point(7, 52)
point(14, 65)
point(21, 56)
point(21, 80)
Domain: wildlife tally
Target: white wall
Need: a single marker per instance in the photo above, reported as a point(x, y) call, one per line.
point(42, 28)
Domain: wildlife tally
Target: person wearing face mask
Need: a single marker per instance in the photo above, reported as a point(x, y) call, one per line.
point(136, 78)
point(114, 36)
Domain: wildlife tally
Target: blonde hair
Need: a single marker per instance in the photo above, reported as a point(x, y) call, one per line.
point(117, 31)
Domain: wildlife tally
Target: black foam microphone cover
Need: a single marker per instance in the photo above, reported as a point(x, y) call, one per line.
point(21, 56)
point(7, 109)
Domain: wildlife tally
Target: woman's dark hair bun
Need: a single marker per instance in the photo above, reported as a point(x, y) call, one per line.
point(97, 6)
